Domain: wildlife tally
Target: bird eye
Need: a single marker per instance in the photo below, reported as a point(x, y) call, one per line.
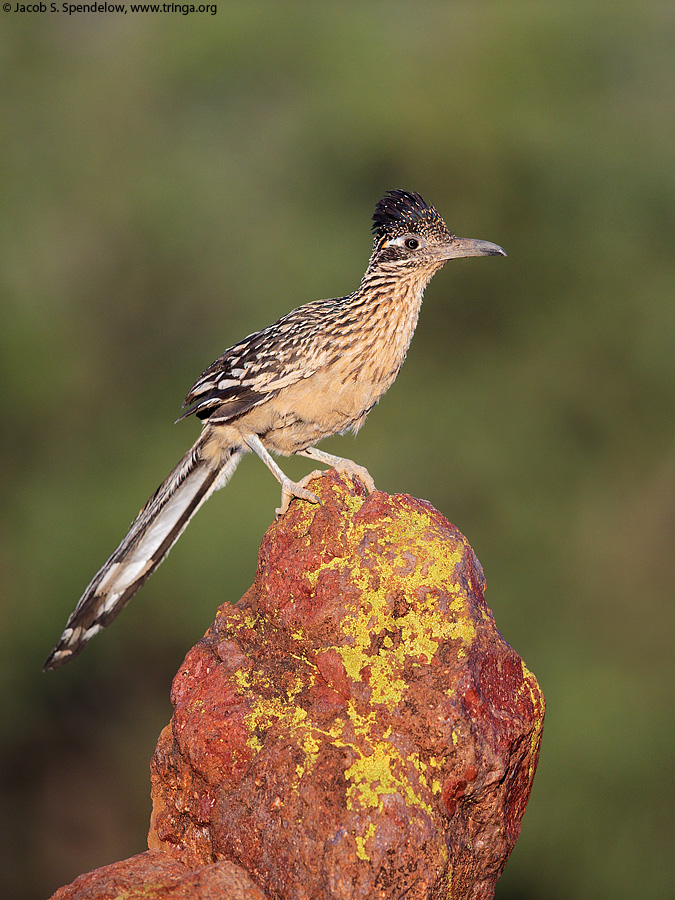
point(412, 243)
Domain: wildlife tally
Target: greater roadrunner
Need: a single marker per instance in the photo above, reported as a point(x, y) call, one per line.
point(317, 371)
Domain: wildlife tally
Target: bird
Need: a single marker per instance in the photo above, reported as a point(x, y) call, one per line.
point(315, 372)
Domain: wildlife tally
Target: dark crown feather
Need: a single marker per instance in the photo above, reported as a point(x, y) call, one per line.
point(400, 211)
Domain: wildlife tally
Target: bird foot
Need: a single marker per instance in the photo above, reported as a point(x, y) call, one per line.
point(347, 466)
point(354, 470)
point(291, 489)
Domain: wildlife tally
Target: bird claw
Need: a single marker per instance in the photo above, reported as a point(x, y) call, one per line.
point(291, 489)
point(340, 464)
point(354, 470)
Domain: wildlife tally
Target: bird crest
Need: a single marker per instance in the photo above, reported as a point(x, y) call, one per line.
point(401, 211)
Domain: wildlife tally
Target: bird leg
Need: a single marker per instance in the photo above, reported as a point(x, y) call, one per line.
point(342, 465)
point(289, 489)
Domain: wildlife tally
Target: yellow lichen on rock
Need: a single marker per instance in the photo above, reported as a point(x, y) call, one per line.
point(358, 707)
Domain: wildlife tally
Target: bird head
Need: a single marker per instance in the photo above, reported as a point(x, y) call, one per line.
point(410, 234)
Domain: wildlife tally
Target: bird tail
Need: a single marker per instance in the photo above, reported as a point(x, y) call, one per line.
point(152, 534)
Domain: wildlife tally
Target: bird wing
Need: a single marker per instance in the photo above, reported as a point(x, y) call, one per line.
point(262, 364)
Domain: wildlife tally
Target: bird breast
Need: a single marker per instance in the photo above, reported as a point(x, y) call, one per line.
point(368, 345)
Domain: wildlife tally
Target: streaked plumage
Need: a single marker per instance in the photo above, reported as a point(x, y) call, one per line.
point(315, 372)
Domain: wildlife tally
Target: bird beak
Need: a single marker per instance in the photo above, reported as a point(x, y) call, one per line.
point(459, 247)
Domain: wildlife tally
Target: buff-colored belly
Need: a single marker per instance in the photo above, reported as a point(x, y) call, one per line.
point(314, 408)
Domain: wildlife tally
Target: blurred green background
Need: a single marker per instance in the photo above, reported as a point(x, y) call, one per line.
point(171, 183)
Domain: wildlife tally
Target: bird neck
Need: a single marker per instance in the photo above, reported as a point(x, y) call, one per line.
point(397, 288)
point(388, 301)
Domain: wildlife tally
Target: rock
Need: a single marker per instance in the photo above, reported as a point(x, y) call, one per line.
point(355, 726)
point(155, 875)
